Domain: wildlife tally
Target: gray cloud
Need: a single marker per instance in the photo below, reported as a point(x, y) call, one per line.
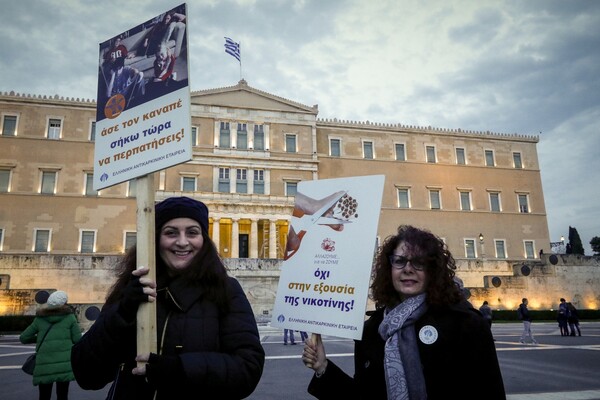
point(512, 67)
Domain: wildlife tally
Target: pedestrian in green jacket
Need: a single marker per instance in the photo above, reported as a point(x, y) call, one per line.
point(53, 361)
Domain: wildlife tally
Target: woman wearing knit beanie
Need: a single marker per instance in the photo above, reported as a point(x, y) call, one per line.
point(208, 341)
point(54, 330)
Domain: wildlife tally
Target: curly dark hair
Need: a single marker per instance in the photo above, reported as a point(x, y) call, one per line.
point(441, 288)
point(206, 271)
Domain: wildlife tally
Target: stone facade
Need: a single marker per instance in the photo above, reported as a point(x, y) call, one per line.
point(480, 191)
point(88, 278)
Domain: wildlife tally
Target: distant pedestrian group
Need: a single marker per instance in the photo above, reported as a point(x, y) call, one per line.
point(568, 317)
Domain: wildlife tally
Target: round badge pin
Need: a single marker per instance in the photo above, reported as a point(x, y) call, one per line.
point(428, 334)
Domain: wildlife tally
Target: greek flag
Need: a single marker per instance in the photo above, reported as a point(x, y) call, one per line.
point(232, 48)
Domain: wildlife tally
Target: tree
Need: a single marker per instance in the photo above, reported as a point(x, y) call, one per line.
point(595, 242)
point(575, 241)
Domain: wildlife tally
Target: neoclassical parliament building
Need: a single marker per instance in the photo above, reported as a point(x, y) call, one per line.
point(479, 191)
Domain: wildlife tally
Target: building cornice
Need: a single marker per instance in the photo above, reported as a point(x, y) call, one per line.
point(324, 123)
point(46, 100)
point(243, 86)
point(379, 126)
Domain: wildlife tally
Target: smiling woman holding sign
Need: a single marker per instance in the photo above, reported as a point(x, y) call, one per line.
point(424, 341)
point(208, 341)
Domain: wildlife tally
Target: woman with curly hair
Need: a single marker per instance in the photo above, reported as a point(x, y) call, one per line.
point(423, 341)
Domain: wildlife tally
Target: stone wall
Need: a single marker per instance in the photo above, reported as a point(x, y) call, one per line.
point(502, 283)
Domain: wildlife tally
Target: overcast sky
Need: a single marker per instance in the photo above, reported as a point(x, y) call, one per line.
point(528, 67)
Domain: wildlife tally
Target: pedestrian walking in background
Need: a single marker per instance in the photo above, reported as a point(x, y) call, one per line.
point(288, 333)
point(55, 329)
point(563, 317)
point(303, 336)
point(486, 311)
point(523, 314)
point(207, 336)
point(421, 338)
point(573, 319)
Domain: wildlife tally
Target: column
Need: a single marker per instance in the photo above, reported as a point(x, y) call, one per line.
point(235, 238)
point(253, 238)
point(217, 133)
point(216, 232)
point(272, 239)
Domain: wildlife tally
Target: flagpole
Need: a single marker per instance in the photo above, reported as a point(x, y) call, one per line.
point(240, 47)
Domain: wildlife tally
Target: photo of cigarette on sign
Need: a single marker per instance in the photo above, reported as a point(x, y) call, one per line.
point(325, 275)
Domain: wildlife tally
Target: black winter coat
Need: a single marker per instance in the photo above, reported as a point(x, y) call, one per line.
point(221, 354)
point(463, 354)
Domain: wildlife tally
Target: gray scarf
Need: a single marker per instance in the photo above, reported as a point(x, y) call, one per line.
point(403, 372)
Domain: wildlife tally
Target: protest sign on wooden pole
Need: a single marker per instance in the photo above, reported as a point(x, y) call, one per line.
point(146, 316)
point(141, 130)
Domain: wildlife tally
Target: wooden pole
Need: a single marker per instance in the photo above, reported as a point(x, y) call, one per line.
point(146, 316)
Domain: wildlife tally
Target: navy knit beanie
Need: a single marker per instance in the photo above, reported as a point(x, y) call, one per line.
point(181, 207)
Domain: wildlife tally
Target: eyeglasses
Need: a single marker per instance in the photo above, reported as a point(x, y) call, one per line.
point(399, 262)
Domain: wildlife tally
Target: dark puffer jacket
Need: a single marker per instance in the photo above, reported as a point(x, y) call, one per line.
point(53, 360)
point(463, 353)
point(217, 355)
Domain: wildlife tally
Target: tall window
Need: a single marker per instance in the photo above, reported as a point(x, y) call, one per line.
point(54, 128)
point(500, 248)
point(334, 147)
point(93, 131)
point(188, 183)
point(241, 180)
point(368, 150)
point(290, 143)
point(224, 136)
point(465, 201)
point(130, 240)
point(523, 204)
point(194, 136)
point(48, 184)
point(242, 136)
point(224, 180)
point(41, 240)
point(4, 180)
point(132, 188)
point(434, 199)
point(517, 160)
point(259, 181)
point(495, 202)
point(529, 249)
point(430, 151)
point(470, 248)
point(259, 137)
point(89, 185)
point(291, 188)
point(87, 242)
point(9, 125)
point(461, 159)
point(400, 152)
point(403, 198)
point(1, 239)
point(489, 158)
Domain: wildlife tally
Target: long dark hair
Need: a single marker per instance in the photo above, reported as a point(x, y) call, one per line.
point(441, 288)
point(206, 271)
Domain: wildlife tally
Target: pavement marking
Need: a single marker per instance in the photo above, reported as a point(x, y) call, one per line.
point(580, 395)
point(17, 354)
point(300, 356)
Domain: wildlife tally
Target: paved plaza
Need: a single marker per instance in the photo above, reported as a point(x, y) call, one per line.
point(557, 368)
